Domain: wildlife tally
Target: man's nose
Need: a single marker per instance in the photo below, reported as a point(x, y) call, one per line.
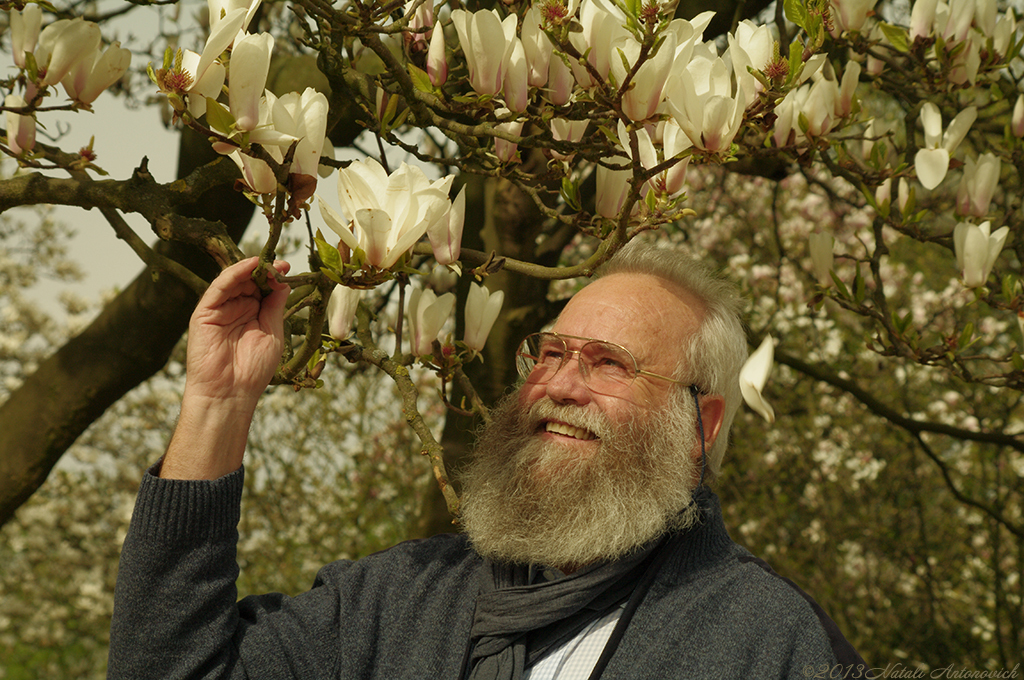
point(566, 386)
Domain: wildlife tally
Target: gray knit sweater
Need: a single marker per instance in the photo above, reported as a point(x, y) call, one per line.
point(714, 610)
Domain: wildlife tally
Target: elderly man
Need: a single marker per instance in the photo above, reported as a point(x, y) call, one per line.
point(591, 546)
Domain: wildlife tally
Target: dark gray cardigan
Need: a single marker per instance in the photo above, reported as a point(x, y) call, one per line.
point(714, 611)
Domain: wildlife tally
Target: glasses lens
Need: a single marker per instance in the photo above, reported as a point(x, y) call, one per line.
point(607, 368)
point(540, 356)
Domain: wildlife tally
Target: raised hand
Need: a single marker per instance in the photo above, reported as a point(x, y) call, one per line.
point(234, 346)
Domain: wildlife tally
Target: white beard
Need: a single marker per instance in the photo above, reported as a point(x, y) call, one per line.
point(527, 500)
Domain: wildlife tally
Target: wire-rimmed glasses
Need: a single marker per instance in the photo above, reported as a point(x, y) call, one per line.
point(605, 367)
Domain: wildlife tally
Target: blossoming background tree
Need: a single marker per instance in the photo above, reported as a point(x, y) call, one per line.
point(891, 482)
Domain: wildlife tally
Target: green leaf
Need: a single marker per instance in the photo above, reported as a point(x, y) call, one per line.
point(859, 288)
point(218, 117)
point(897, 35)
point(796, 62)
point(796, 11)
point(571, 194)
point(1009, 287)
point(329, 255)
point(651, 200)
point(1018, 362)
point(420, 79)
point(333, 276)
point(840, 286)
point(965, 336)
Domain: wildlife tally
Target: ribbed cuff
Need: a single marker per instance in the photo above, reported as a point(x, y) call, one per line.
point(175, 511)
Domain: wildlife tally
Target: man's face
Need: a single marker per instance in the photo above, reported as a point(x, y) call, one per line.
point(565, 476)
point(643, 314)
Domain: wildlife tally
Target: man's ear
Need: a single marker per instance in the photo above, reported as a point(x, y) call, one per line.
point(712, 412)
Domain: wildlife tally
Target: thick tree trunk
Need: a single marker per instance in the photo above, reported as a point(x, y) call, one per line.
point(134, 335)
point(128, 342)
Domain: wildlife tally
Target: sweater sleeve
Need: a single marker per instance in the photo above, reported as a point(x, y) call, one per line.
point(402, 613)
point(174, 603)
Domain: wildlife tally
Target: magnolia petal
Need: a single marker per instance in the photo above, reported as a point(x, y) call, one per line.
point(250, 63)
point(754, 376)
point(931, 121)
point(223, 34)
point(375, 227)
point(338, 225)
point(958, 128)
point(931, 165)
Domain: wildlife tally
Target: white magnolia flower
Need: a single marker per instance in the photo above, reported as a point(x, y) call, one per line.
point(386, 215)
point(63, 44)
point(932, 161)
point(702, 102)
point(979, 182)
point(482, 309)
point(96, 71)
point(976, 251)
point(754, 376)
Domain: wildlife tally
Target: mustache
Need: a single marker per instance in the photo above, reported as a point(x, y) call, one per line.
point(577, 416)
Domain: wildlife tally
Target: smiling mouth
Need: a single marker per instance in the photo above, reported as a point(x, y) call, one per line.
point(569, 431)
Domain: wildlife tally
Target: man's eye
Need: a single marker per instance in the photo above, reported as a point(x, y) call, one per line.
point(550, 356)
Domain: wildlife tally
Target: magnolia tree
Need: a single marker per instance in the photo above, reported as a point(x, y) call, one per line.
point(524, 144)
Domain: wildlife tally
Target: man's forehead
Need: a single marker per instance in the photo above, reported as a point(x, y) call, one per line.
point(640, 311)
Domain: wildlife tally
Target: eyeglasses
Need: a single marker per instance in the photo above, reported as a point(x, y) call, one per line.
point(606, 368)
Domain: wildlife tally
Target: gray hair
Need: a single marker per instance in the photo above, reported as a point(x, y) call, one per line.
point(713, 356)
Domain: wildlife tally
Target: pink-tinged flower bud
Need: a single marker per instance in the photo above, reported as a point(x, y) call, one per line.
point(567, 131)
point(63, 46)
point(482, 309)
point(25, 31)
point(1017, 120)
point(427, 314)
point(850, 15)
point(505, 150)
point(979, 182)
point(341, 310)
point(95, 73)
point(560, 82)
point(487, 43)
point(821, 257)
point(883, 192)
point(922, 18)
point(539, 50)
point(247, 78)
point(516, 86)
point(437, 60)
point(847, 88)
point(21, 130)
point(612, 188)
point(422, 18)
point(445, 234)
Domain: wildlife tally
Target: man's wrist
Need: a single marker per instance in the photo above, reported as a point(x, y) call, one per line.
point(209, 439)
